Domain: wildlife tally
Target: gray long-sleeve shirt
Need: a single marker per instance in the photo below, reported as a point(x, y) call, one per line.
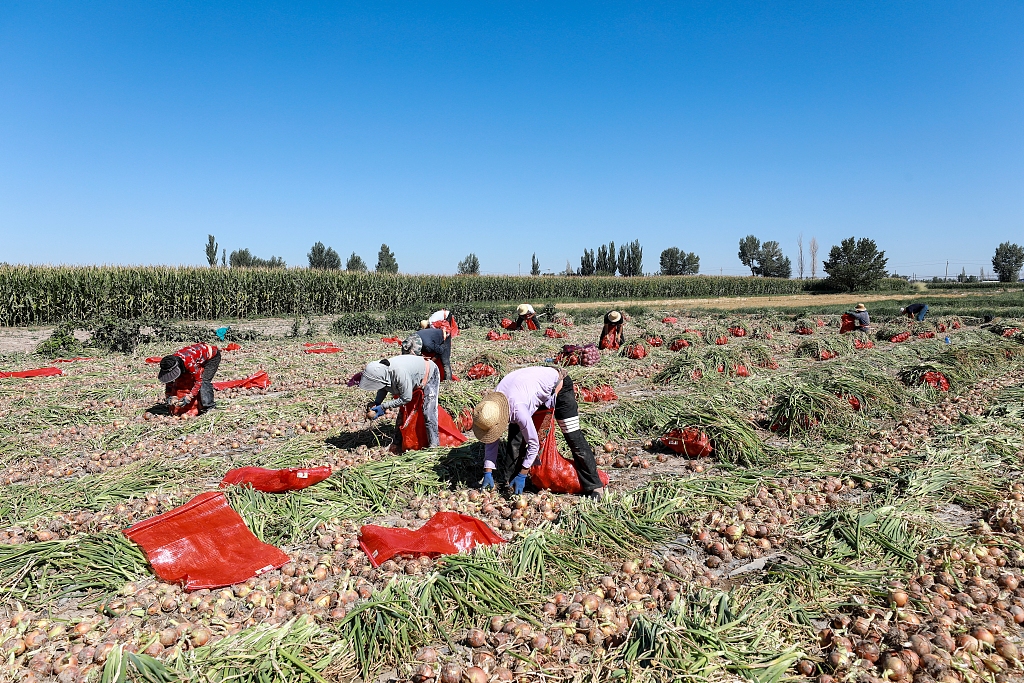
point(404, 374)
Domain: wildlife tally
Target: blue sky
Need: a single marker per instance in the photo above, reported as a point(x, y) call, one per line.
point(129, 131)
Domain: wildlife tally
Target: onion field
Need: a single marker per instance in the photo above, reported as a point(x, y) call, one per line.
point(857, 514)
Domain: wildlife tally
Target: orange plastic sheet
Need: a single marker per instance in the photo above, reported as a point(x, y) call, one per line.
point(257, 380)
point(38, 372)
point(275, 481)
point(446, 533)
point(204, 544)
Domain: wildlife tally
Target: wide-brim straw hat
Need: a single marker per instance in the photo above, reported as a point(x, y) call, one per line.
point(490, 417)
point(614, 317)
point(861, 307)
point(523, 309)
point(424, 324)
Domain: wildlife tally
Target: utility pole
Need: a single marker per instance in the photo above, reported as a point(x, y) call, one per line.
point(946, 278)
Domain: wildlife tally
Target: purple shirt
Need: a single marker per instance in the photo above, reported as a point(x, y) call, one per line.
point(527, 390)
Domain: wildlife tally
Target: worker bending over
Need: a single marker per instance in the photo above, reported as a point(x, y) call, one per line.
point(511, 406)
point(188, 373)
point(861, 319)
point(527, 319)
point(399, 376)
point(917, 311)
point(611, 334)
point(432, 343)
point(442, 319)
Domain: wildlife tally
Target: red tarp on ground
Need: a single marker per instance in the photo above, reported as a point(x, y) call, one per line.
point(551, 471)
point(258, 380)
point(413, 426)
point(391, 340)
point(446, 533)
point(275, 481)
point(38, 372)
point(204, 544)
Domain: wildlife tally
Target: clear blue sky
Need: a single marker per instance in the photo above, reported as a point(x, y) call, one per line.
point(128, 131)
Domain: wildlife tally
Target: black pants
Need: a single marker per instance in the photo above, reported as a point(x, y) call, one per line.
point(567, 414)
point(206, 399)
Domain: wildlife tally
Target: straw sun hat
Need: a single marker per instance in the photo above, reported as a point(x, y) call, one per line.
point(614, 317)
point(490, 417)
point(861, 307)
point(523, 309)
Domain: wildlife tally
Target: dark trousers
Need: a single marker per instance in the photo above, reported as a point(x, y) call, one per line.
point(206, 399)
point(567, 414)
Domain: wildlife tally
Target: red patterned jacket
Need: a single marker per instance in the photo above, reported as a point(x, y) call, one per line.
point(194, 358)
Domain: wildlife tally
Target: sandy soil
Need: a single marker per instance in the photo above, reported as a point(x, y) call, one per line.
point(733, 302)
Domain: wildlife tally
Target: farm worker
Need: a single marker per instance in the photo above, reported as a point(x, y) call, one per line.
point(527, 318)
point(861, 319)
point(187, 373)
point(433, 343)
point(611, 334)
point(511, 406)
point(399, 376)
point(442, 319)
point(918, 311)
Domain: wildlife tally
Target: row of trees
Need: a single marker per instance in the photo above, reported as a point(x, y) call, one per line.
point(853, 264)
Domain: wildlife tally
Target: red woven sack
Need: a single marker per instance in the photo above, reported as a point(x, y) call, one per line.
point(636, 351)
point(204, 544)
point(655, 341)
point(257, 380)
point(669, 320)
point(901, 337)
point(275, 481)
point(554, 334)
point(551, 471)
point(446, 533)
point(494, 336)
point(691, 441)
point(737, 332)
point(413, 426)
point(678, 345)
point(506, 323)
point(466, 419)
point(936, 379)
point(324, 349)
point(38, 372)
point(848, 323)
point(233, 347)
point(597, 394)
point(481, 370)
point(926, 335)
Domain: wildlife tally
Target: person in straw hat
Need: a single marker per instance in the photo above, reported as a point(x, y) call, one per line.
point(861, 319)
point(527, 319)
point(511, 406)
point(611, 334)
point(443, 320)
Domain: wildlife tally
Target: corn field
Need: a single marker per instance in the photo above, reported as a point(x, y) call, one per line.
point(32, 295)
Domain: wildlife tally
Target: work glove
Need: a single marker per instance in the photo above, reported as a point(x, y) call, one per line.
point(378, 411)
point(518, 483)
point(488, 482)
point(172, 402)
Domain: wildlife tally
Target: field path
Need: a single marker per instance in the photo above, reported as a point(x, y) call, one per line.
point(732, 302)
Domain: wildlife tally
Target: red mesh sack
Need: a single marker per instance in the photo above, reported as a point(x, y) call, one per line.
point(722, 341)
point(446, 533)
point(506, 323)
point(275, 481)
point(827, 355)
point(233, 347)
point(481, 370)
point(466, 419)
point(853, 401)
point(819, 322)
point(494, 336)
point(655, 341)
point(804, 330)
point(204, 544)
point(737, 332)
point(942, 327)
point(669, 320)
point(926, 335)
point(551, 471)
point(554, 334)
point(901, 337)
point(936, 379)
point(257, 380)
point(324, 349)
point(38, 372)
point(598, 394)
point(847, 324)
point(636, 351)
point(691, 441)
point(413, 426)
point(678, 345)
point(860, 345)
